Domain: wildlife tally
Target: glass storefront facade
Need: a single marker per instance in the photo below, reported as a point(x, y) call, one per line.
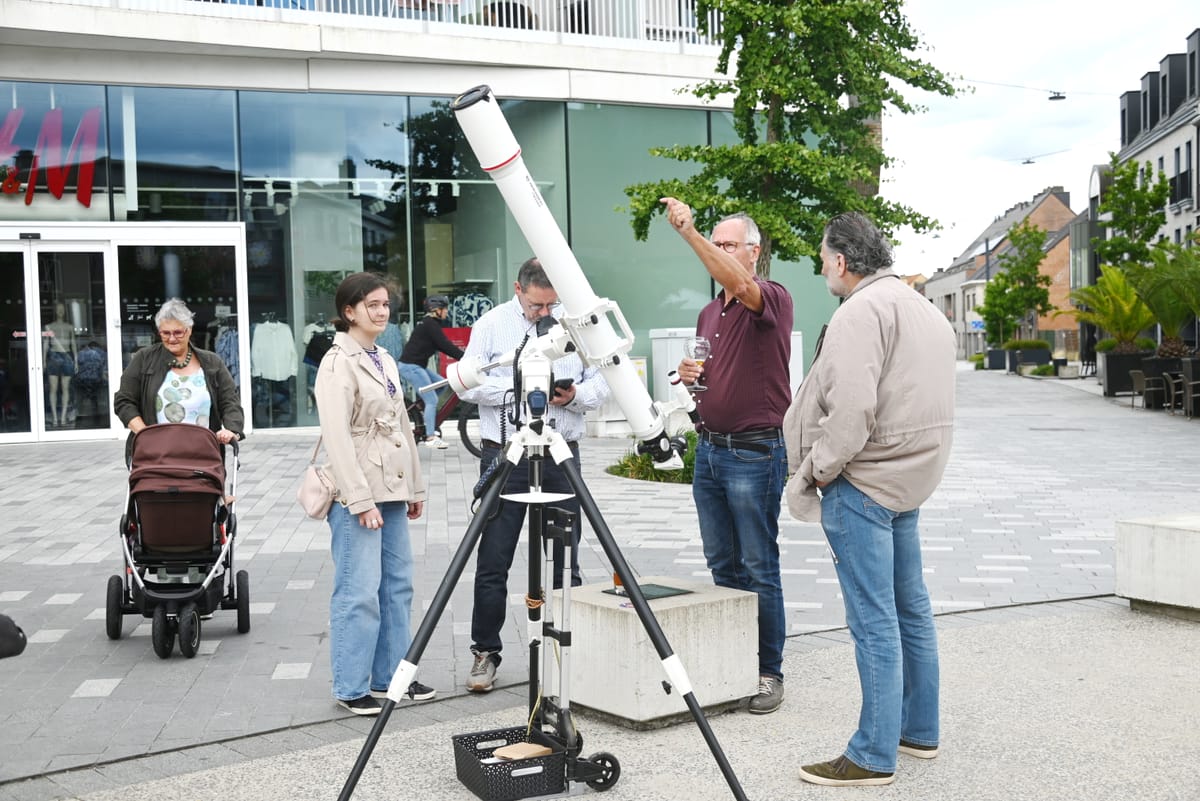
point(325, 185)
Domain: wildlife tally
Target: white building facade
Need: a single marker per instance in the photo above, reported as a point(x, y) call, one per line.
point(246, 156)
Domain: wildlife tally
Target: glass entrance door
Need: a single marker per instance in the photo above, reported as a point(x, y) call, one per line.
point(77, 300)
point(54, 341)
point(54, 354)
point(16, 401)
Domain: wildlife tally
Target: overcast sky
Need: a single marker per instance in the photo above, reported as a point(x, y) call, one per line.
point(961, 161)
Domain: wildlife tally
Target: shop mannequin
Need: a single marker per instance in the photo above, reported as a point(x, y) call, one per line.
point(59, 354)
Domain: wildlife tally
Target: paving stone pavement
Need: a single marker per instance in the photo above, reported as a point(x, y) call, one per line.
point(1040, 472)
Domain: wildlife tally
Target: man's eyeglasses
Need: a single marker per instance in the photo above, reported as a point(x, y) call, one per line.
point(729, 247)
point(535, 307)
point(172, 334)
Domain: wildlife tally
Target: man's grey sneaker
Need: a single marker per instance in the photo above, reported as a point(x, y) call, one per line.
point(361, 706)
point(769, 697)
point(841, 772)
point(415, 692)
point(483, 673)
point(918, 751)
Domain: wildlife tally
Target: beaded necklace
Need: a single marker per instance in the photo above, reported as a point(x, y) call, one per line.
point(175, 364)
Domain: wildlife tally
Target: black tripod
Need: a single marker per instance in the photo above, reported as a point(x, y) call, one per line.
point(537, 440)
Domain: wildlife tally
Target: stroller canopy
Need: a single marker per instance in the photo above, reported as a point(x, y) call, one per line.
point(176, 457)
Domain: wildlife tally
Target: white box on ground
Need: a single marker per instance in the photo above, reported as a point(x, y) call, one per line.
point(796, 362)
point(609, 420)
point(1156, 560)
point(616, 670)
point(667, 349)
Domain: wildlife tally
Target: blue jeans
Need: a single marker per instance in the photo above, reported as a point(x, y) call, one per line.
point(737, 494)
point(418, 376)
point(498, 545)
point(877, 553)
point(372, 599)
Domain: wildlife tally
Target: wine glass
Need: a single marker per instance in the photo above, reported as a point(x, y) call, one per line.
point(698, 349)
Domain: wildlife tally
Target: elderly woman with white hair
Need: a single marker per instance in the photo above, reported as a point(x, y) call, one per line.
point(172, 381)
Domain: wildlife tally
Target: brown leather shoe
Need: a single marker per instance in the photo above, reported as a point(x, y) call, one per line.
point(841, 772)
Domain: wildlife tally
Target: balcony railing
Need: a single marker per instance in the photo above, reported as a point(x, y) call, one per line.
point(667, 21)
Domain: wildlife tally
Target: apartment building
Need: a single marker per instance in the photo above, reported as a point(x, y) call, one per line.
point(958, 289)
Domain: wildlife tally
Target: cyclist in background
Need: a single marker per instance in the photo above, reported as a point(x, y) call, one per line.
point(427, 339)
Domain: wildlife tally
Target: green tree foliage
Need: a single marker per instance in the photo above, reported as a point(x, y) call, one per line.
point(1019, 293)
point(1170, 287)
point(812, 79)
point(1112, 305)
point(998, 311)
point(1136, 211)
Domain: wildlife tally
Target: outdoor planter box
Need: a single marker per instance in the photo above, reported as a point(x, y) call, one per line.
point(1031, 356)
point(996, 359)
point(1114, 371)
point(1154, 367)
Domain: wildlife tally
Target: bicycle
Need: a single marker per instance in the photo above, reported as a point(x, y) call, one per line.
point(450, 406)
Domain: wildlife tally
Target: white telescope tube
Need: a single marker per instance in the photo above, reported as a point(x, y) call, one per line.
point(488, 133)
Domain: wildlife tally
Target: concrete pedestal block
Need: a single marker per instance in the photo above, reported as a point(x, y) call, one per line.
point(616, 671)
point(1158, 563)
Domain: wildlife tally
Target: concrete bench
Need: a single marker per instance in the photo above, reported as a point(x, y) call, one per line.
point(616, 672)
point(1158, 564)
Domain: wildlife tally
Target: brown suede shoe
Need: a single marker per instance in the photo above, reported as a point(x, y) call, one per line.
point(918, 751)
point(841, 772)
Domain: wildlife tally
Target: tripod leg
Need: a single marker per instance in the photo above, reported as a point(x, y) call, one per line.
point(671, 663)
point(408, 666)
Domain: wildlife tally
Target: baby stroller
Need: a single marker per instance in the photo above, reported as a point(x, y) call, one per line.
point(177, 534)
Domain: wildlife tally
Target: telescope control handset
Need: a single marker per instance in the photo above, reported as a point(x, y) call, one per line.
point(585, 328)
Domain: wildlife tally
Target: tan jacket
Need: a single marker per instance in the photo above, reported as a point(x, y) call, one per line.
point(877, 405)
point(367, 436)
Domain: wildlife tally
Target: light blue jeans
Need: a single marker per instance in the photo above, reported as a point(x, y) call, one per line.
point(737, 494)
point(877, 553)
point(372, 600)
point(418, 376)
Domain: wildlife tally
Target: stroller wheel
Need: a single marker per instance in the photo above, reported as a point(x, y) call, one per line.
point(112, 609)
point(161, 633)
point(242, 587)
point(189, 630)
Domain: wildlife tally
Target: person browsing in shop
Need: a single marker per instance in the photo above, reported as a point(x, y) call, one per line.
point(501, 330)
point(427, 339)
point(741, 460)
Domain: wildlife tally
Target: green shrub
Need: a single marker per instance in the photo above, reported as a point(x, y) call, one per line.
point(641, 466)
point(977, 360)
point(1043, 369)
point(1143, 343)
point(1027, 344)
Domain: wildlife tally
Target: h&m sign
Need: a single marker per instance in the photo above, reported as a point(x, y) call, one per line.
point(47, 155)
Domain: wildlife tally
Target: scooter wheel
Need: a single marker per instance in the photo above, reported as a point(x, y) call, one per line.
point(610, 771)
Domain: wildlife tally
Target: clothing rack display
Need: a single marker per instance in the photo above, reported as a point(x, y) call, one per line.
point(273, 365)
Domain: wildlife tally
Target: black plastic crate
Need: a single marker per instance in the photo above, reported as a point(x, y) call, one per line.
point(507, 780)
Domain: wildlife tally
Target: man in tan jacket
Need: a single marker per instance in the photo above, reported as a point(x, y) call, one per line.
point(870, 429)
